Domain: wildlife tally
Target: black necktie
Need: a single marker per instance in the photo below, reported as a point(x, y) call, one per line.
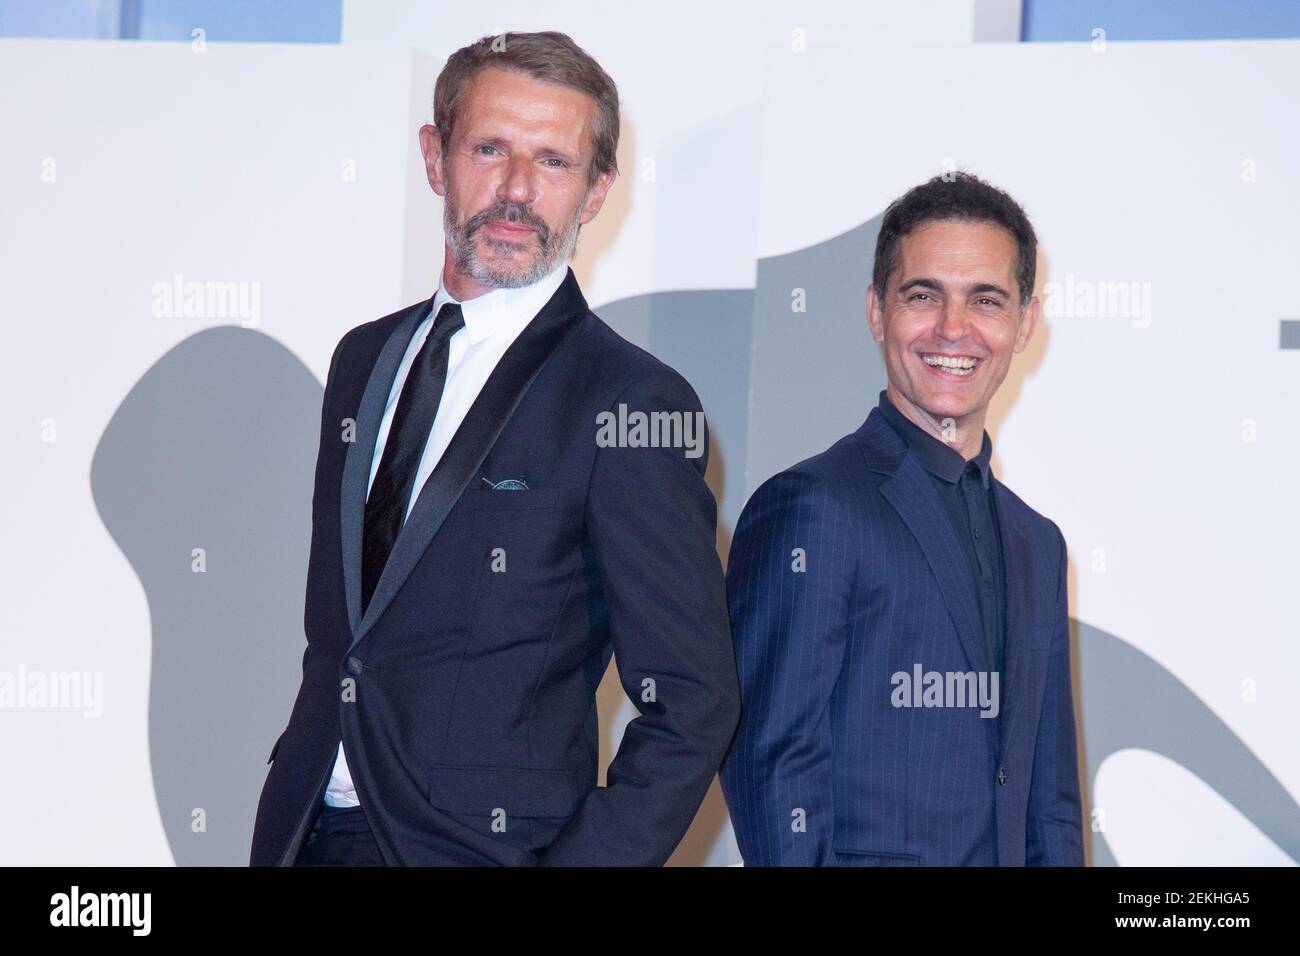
point(407, 435)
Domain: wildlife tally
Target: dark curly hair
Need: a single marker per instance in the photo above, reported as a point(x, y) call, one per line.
point(962, 196)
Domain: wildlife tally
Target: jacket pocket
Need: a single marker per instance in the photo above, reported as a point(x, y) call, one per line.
point(848, 856)
point(492, 500)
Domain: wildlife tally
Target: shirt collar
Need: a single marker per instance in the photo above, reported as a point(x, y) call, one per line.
point(937, 457)
point(502, 310)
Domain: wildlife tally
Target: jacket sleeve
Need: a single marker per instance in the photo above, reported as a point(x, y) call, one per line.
point(652, 526)
point(1054, 835)
point(790, 582)
point(331, 430)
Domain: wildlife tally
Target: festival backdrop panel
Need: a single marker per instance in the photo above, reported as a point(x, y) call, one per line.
point(187, 229)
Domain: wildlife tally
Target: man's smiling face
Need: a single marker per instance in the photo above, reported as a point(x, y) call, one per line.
point(950, 319)
point(515, 178)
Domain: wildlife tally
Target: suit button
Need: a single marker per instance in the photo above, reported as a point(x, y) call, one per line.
point(354, 665)
point(1002, 776)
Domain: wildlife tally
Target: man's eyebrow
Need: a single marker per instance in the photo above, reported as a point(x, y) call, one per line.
point(500, 142)
point(989, 287)
point(558, 153)
point(493, 141)
point(932, 284)
point(935, 285)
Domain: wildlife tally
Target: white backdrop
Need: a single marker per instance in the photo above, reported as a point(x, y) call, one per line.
point(1160, 436)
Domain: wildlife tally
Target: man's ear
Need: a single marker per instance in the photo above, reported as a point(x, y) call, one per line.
point(1028, 322)
point(875, 314)
point(596, 195)
point(431, 147)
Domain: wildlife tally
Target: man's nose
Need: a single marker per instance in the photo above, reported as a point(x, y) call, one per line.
point(952, 322)
point(517, 184)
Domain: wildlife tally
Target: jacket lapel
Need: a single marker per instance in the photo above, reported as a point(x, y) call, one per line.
point(914, 498)
point(912, 495)
point(1016, 686)
point(473, 440)
point(356, 465)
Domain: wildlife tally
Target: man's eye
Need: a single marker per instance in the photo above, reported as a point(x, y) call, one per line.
point(919, 295)
point(558, 163)
point(989, 301)
point(487, 150)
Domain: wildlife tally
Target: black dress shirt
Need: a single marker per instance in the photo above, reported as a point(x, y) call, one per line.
point(965, 488)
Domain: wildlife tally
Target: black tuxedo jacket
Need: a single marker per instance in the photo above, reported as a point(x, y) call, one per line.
point(465, 695)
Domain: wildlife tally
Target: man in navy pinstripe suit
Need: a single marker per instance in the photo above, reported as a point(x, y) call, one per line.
point(899, 615)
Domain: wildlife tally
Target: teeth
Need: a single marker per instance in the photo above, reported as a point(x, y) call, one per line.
point(958, 365)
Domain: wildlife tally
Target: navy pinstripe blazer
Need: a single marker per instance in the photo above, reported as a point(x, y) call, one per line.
point(845, 571)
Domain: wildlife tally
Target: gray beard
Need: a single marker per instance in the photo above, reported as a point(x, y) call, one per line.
point(552, 249)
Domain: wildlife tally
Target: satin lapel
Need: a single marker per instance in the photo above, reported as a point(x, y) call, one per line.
point(1018, 656)
point(356, 466)
point(473, 440)
point(914, 497)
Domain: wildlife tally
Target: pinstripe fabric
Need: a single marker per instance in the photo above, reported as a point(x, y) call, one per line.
point(844, 571)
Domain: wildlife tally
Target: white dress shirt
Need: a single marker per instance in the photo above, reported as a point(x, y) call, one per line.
point(492, 323)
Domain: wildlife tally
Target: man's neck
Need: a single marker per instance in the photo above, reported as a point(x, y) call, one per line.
point(460, 286)
point(964, 435)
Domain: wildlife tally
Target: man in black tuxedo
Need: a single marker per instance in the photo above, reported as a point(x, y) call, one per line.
point(506, 493)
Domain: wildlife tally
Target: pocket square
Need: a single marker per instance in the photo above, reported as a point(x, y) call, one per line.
point(509, 484)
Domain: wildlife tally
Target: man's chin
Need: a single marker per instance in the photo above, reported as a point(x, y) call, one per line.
point(505, 274)
point(506, 249)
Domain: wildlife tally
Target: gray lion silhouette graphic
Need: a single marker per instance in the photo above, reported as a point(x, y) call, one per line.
point(203, 477)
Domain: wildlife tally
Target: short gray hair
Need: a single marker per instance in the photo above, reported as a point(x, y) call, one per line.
point(549, 57)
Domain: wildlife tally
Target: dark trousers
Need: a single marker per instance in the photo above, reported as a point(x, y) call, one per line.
point(340, 837)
